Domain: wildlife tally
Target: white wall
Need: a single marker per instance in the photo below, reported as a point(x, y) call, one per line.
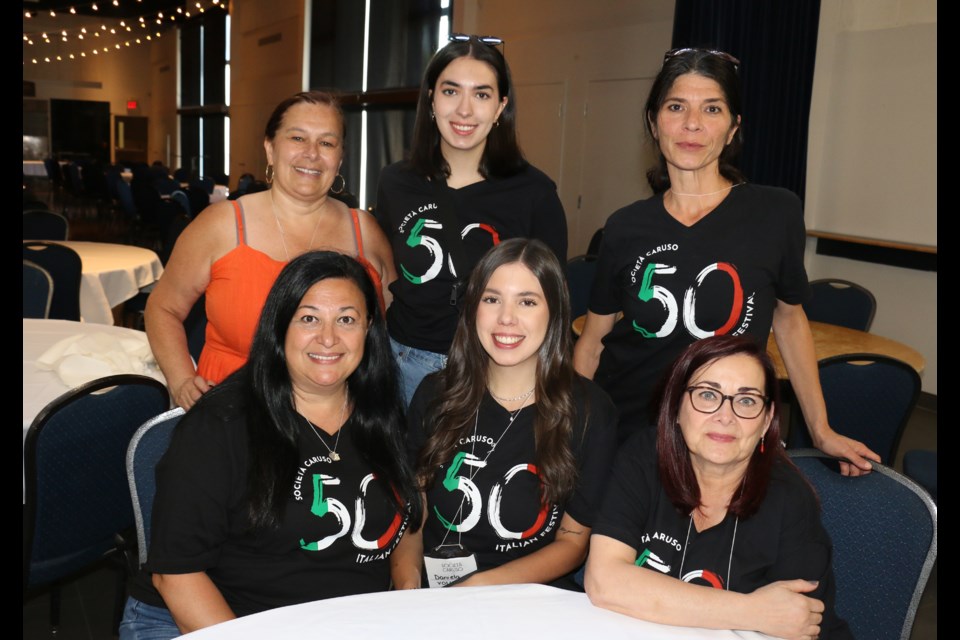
point(872, 155)
point(581, 71)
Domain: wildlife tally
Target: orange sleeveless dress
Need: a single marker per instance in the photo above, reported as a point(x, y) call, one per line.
point(239, 283)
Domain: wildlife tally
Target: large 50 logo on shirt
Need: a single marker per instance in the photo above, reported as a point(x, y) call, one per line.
point(323, 507)
point(418, 239)
point(472, 500)
point(649, 291)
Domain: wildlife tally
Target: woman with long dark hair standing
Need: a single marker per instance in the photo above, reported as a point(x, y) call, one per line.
point(709, 254)
point(516, 446)
point(465, 188)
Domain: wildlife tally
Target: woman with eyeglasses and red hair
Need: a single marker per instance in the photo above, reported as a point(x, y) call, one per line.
point(706, 522)
point(465, 188)
point(709, 254)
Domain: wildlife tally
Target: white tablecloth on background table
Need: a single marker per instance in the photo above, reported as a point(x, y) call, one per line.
point(467, 613)
point(40, 387)
point(112, 274)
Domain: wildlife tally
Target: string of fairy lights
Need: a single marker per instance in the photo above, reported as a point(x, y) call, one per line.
point(43, 46)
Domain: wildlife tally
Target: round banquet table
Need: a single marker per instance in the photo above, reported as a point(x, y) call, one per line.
point(112, 274)
point(40, 387)
point(831, 340)
point(467, 613)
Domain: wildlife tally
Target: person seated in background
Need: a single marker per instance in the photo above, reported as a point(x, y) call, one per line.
point(288, 482)
point(509, 418)
point(706, 522)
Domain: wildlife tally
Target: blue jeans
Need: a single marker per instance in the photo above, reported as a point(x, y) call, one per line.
point(414, 365)
point(142, 621)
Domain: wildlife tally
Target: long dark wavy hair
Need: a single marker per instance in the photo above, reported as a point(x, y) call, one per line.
point(375, 426)
point(463, 382)
point(706, 63)
point(501, 154)
point(676, 470)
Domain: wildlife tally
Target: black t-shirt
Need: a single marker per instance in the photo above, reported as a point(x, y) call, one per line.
point(335, 538)
point(521, 206)
point(784, 540)
point(497, 490)
point(676, 284)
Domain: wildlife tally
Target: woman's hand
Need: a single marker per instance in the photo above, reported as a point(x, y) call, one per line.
point(838, 446)
point(187, 392)
point(785, 612)
point(587, 349)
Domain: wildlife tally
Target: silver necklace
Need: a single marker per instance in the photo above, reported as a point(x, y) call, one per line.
point(316, 430)
point(700, 195)
point(686, 544)
point(283, 238)
point(523, 396)
point(473, 472)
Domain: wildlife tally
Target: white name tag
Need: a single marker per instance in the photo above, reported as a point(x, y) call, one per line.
point(443, 571)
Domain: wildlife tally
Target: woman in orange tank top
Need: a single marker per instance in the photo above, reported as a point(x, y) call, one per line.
point(234, 251)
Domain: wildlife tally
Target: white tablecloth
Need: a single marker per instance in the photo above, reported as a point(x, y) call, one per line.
point(467, 613)
point(42, 387)
point(112, 274)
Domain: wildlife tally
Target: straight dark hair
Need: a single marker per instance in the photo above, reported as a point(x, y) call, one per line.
point(501, 153)
point(673, 455)
point(709, 64)
point(375, 426)
point(323, 98)
point(463, 382)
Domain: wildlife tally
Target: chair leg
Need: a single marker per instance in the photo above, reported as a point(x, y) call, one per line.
point(120, 600)
point(54, 607)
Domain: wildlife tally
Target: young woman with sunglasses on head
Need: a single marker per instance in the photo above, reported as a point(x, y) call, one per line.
point(465, 188)
point(709, 254)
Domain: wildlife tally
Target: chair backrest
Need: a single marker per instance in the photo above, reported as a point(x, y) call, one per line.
point(40, 224)
point(65, 267)
point(181, 199)
point(125, 198)
point(76, 497)
point(580, 273)
point(841, 302)
point(146, 448)
point(37, 291)
point(884, 532)
point(869, 398)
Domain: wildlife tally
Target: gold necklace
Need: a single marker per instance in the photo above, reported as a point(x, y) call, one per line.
point(283, 239)
point(701, 195)
point(316, 430)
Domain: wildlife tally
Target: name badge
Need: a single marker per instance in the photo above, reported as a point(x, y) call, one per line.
point(448, 564)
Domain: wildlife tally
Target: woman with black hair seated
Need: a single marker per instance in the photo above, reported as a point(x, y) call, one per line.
point(288, 482)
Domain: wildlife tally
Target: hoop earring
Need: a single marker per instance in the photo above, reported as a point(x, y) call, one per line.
point(343, 185)
point(269, 174)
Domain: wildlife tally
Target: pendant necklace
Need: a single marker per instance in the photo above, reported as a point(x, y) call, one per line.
point(316, 430)
point(283, 238)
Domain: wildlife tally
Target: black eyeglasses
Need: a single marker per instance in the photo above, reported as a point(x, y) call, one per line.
point(723, 55)
point(744, 405)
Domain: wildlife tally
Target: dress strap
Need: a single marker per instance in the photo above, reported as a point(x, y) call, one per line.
point(241, 230)
point(357, 236)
